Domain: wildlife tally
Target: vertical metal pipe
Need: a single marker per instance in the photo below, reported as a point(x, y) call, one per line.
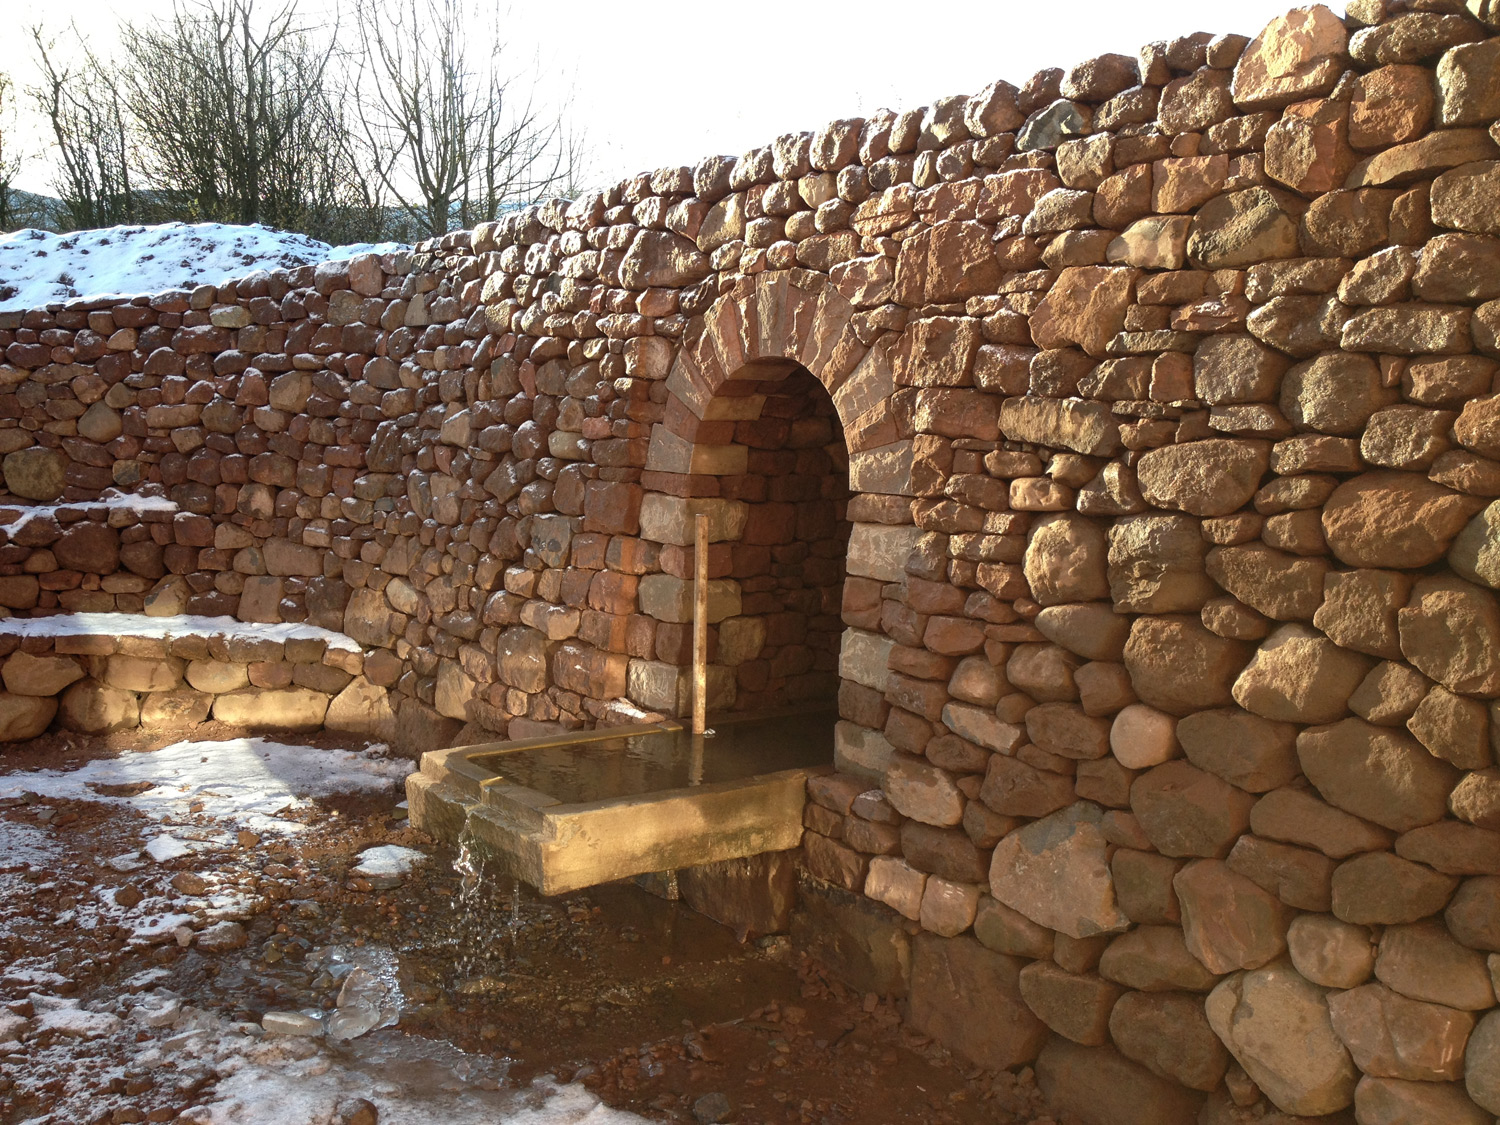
point(700, 624)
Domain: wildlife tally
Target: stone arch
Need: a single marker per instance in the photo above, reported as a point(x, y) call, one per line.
point(772, 326)
point(770, 322)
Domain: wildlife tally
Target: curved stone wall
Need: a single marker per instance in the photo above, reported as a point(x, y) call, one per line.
point(1158, 411)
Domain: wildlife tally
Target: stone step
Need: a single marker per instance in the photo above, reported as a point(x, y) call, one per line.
point(101, 672)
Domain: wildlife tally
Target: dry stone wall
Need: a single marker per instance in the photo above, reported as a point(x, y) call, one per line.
point(1121, 449)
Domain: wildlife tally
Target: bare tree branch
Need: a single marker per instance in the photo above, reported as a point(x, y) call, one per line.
point(240, 117)
point(10, 156)
point(92, 135)
point(443, 132)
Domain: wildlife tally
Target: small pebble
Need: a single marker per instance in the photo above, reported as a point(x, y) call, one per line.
point(356, 1111)
point(712, 1108)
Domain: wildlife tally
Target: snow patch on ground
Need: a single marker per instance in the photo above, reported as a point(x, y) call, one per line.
point(181, 625)
point(37, 267)
point(281, 1080)
point(24, 846)
point(245, 781)
point(388, 859)
point(164, 849)
point(67, 1017)
point(411, 1081)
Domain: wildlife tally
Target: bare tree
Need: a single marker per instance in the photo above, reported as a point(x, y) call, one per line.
point(445, 131)
point(240, 119)
point(91, 130)
point(10, 155)
point(219, 95)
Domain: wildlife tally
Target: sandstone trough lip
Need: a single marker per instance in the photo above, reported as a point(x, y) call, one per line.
point(559, 846)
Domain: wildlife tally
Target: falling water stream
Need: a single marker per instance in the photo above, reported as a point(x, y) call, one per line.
point(480, 936)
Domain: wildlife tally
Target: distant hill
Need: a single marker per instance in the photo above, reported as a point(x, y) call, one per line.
point(33, 210)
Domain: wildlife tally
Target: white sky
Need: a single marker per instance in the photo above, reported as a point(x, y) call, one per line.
point(666, 82)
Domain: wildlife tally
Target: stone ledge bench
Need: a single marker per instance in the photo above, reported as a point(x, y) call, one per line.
point(96, 673)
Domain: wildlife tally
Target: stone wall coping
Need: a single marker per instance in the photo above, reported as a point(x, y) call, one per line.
point(14, 514)
point(142, 625)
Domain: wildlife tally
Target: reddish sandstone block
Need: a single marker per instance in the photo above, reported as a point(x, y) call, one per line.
point(1308, 149)
point(612, 592)
point(590, 672)
point(833, 862)
point(1391, 105)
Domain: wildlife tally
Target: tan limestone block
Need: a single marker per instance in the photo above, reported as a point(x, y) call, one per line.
point(1246, 750)
point(1152, 243)
point(1178, 666)
point(1155, 958)
point(1085, 306)
point(1376, 773)
point(1241, 228)
point(1276, 1024)
point(1277, 584)
point(1451, 632)
point(1468, 198)
point(1435, 153)
point(1394, 519)
point(896, 883)
point(25, 716)
point(29, 675)
point(1300, 817)
point(215, 677)
point(948, 907)
point(1205, 478)
point(93, 708)
point(1299, 675)
point(292, 708)
point(183, 707)
point(1073, 1005)
point(1411, 37)
point(1423, 961)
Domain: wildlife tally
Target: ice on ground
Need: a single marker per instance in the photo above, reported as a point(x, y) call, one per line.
point(13, 517)
point(181, 625)
point(388, 859)
point(37, 267)
point(258, 1079)
point(166, 848)
point(245, 781)
point(411, 1081)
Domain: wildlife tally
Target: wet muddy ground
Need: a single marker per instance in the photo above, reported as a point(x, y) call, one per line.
point(649, 1006)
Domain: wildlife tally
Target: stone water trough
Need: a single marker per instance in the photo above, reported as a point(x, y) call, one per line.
point(578, 809)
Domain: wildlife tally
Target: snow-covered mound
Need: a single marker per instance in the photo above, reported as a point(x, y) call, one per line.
point(37, 267)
